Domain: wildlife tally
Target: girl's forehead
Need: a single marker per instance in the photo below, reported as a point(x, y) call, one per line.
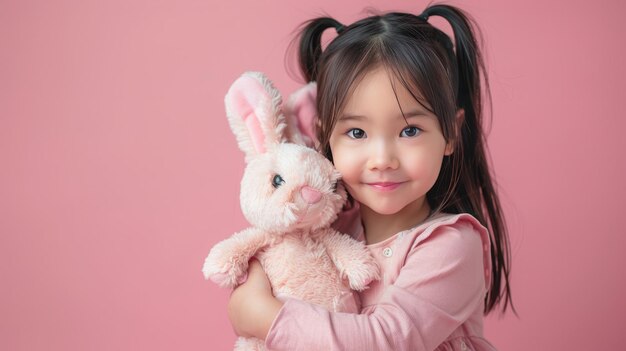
point(381, 88)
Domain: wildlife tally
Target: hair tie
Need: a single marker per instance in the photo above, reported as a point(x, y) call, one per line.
point(423, 17)
point(340, 28)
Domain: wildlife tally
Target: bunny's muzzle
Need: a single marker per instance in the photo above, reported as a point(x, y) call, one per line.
point(310, 195)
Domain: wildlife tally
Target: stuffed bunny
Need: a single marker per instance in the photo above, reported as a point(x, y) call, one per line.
point(291, 195)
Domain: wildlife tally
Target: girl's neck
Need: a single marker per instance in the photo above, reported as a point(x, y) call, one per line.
point(378, 227)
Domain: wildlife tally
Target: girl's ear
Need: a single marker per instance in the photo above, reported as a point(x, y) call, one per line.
point(458, 124)
point(301, 114)
point(254, 115)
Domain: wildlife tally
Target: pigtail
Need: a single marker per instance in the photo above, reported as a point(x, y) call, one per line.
point(468, 58)
point(311, 44)
point(476, 193)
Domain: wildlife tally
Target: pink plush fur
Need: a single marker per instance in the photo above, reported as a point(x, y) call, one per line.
point(290, 194)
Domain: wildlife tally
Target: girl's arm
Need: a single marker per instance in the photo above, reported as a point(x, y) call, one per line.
point(441, 284)
point(252, 308)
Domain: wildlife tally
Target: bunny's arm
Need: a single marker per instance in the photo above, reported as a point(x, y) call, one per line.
point(227, 262)
point(352, 258)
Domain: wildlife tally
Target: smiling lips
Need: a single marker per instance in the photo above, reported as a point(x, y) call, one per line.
point(385, 186)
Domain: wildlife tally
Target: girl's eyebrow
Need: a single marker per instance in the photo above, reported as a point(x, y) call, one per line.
point(413, 113)
point(351, 117)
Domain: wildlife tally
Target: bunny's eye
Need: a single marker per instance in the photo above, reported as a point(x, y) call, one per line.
point(277, 181)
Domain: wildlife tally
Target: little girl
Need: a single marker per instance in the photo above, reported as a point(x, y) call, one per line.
point(400, 114)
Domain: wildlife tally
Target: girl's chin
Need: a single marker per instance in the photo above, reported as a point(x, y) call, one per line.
point(381, 209)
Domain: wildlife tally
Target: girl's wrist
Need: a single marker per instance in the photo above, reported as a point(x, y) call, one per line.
point(268, 310)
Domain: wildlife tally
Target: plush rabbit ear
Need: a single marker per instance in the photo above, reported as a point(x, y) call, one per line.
point(254, 114)
point(301, 114)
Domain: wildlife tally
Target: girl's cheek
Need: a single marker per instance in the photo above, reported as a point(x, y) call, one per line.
point(423, 166)
point(346, 164)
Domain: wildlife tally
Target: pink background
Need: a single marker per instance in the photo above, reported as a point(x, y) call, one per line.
point(118, 170)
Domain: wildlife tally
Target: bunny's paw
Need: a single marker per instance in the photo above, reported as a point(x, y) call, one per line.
point(361, 274)
point(224, 267)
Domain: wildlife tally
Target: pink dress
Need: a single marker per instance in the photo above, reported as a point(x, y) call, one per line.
point(431, 295)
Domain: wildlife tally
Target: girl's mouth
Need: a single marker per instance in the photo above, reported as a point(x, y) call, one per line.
point(384, 186)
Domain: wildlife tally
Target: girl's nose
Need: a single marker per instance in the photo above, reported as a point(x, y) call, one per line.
point(382, 157)
point(310, 195)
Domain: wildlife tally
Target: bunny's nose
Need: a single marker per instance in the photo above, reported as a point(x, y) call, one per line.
point(310, 195)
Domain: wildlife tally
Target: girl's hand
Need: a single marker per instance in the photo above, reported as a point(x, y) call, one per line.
point(252, 307)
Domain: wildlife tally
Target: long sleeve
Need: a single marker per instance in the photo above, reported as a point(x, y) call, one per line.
point(440, 284)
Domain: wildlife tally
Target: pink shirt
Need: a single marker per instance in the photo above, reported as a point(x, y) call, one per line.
point(431, 295)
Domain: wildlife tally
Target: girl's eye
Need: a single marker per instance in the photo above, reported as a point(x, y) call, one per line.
point(277, 181)
point(356, 133)
point(409, 132)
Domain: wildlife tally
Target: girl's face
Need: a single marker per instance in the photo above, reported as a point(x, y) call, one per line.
point(387, 164)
